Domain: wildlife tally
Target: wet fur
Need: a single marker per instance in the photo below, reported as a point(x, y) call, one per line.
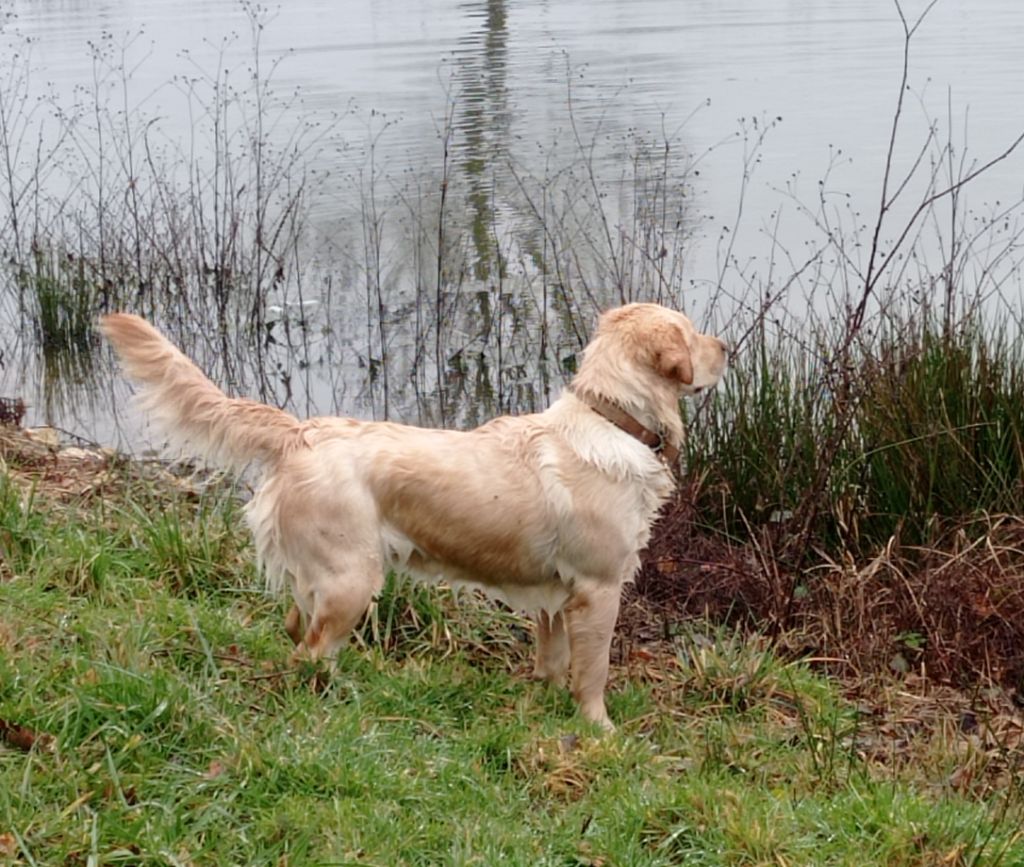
point(548, 512)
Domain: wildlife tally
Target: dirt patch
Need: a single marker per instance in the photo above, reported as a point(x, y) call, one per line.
point(37, 460)
point(40, 462)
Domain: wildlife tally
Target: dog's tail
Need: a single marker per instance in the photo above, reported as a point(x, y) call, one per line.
point(190, 409)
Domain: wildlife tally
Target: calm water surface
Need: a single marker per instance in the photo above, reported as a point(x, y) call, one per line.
point(829, 69)
point(501, 73)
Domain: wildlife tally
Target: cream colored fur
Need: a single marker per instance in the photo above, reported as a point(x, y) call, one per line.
point(548, 512)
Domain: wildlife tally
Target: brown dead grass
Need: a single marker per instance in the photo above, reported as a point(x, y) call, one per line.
point(915, 723)
point(952, 614)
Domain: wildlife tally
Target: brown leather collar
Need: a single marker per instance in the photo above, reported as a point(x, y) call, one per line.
point(667, 453)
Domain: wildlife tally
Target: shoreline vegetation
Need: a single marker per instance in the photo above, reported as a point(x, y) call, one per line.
point(822, 660)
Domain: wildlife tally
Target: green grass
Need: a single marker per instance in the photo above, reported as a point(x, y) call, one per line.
point(136, 642)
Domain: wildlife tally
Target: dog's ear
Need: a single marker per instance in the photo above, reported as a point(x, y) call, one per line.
point(673, 359)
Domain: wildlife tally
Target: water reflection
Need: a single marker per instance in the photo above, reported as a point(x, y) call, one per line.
point(483, 121)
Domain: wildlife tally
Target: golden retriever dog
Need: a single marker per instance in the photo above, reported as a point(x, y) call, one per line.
point(548, 512)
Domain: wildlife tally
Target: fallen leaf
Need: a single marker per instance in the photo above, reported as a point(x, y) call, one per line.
point(22, 738)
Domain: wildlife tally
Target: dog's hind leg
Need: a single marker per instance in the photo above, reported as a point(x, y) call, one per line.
point(590, 619)
point(339, 602)
point(551, 662)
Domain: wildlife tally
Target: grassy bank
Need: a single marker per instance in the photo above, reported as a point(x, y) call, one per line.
point(149, 716)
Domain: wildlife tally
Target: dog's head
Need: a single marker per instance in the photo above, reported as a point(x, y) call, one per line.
point(653, 341)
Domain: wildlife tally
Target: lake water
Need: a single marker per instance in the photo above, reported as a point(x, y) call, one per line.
point(526, 87)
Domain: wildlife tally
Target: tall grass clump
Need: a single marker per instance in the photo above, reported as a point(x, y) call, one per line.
point(941, 429)
point(65, 303)
point(927, 431)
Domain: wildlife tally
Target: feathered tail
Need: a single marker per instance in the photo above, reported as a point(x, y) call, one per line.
point(189, 408)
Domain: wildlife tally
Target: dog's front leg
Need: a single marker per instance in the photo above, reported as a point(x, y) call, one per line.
point(590, 619)
point(293, 624)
